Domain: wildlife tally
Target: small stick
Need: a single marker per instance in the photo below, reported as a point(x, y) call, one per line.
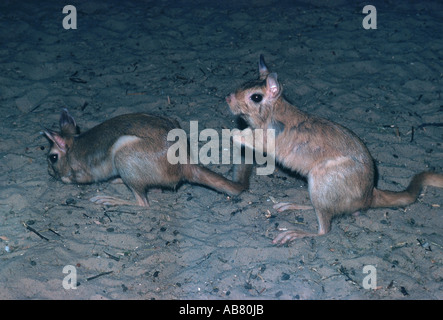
point(35, 231)
point(112, 257)
point(99, 275)
point(121, 211)
point(107, 216)
point(77, 80)
point(345, 272)
point(55, 232)
point(35, 108)
point(397, 133)
point(71, 205)
point(84, 106)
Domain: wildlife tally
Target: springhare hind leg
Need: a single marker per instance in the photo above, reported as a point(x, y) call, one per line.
point(324, 226)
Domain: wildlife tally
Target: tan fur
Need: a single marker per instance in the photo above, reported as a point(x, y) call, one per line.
point(338, 165)
point(132, 147)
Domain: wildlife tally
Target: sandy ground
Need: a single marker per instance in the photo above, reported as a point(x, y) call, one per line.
point(180, 59)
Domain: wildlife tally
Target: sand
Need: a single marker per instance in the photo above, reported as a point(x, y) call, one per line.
point(180, 59)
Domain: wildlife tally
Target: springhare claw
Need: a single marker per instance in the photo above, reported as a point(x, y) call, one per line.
point(109, 201)
point(283, 206)
point(288, 236)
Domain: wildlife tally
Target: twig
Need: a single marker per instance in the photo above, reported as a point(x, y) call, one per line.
point(397, 132)
point(99, 275)
point(107, 216)
point(84, 106)
point(206, 257)
point(77, 80)
point(71, 205)
point(121, 211)
point(345, 272)
point(35, 231)
point(112, 257)
point(55, 232)
point(35, 108)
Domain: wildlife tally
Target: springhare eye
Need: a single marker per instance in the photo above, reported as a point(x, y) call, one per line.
point(53, 158)
point(256, 97)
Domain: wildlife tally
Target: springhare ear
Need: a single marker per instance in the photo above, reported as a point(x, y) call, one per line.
point(262, 68)
point(67, 124)
point(273, 89)
point(55, 138)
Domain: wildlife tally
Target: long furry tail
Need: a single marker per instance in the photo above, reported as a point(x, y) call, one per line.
point(383, 198)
